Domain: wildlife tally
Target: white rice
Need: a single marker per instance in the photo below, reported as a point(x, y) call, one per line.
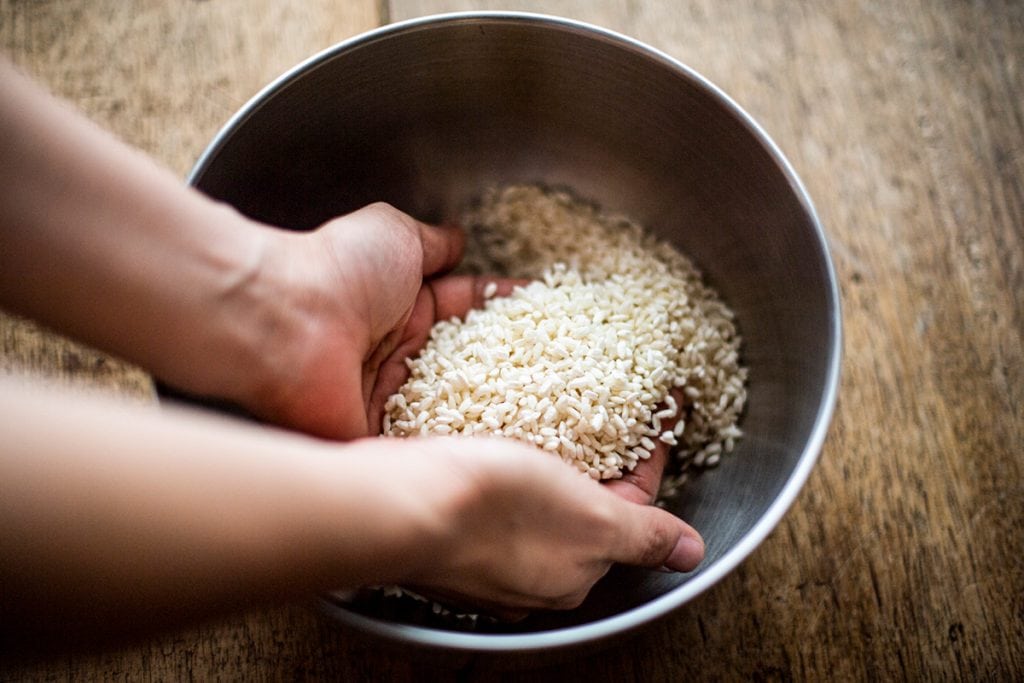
point(582, 360)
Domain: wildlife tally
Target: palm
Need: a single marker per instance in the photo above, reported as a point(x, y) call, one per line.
point(454, 296)
point(441, 299)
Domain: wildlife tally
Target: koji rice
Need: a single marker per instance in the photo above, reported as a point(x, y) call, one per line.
point(582, 360)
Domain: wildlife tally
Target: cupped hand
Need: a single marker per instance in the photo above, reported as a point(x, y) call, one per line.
point(638, 487)
point(519, 530)
point(359, 296)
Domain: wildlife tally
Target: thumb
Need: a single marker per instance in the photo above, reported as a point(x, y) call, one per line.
point(652, 537)
point(442, 247)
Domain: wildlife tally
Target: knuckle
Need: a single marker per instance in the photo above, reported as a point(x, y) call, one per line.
point(658, 543)
point(382, 209)
point(608, 521)
point(387, 214)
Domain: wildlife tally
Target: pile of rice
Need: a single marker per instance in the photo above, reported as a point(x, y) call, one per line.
point(582, 360)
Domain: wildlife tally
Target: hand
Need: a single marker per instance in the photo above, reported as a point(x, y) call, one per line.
point(154, 517)
point(639, 487)
point(307, 330)
point(523, 531)
point(357, 299)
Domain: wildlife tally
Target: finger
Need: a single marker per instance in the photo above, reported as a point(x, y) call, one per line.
point(440, 299)
point(652, 537)
point(642, 484)
point(389, 376)
point(456, 295)
point(442, 247)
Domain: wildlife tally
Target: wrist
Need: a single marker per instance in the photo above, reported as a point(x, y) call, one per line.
point(297, 362)
point(220, 335)
point(398, 511)
point(449, 482)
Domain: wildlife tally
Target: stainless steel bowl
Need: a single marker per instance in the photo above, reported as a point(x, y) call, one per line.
point(426, 113)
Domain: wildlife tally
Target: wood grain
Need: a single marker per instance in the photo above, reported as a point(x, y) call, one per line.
point(902, 558)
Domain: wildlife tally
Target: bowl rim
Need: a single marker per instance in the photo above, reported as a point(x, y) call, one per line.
point(638, 616)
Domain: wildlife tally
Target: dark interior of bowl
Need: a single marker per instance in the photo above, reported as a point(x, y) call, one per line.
point(427, 116)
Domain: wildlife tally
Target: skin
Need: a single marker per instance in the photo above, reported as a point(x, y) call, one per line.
point(118, 515)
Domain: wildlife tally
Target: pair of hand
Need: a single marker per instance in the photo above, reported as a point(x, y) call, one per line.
point(363, 292)
point(372, 286)
point(308, 331)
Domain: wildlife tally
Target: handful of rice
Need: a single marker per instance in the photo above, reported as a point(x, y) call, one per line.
point(582, 361)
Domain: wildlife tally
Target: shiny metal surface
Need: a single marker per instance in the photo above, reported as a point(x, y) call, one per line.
point(426, 113)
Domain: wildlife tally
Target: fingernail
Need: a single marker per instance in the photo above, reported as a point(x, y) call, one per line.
point(687, 554)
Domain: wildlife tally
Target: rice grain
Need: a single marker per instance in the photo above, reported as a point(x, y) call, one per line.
point(581, 361)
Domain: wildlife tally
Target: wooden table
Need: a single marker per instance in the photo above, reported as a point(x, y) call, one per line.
point(902, 558)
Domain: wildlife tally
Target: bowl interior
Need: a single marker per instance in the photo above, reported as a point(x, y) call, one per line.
point(427, 114)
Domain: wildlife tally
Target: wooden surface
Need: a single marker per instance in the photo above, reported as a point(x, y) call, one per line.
point(902, 558)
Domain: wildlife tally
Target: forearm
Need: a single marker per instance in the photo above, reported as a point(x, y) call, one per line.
point(100, 243)
point(121, 519)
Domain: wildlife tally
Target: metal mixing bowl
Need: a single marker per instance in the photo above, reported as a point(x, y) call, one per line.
point(424, 114)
